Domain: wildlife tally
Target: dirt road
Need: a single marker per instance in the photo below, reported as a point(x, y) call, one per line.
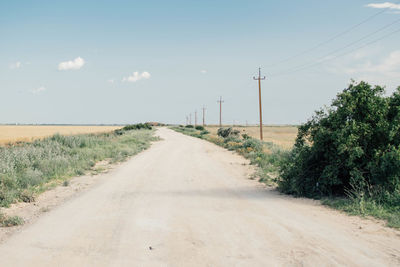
point(186, 202)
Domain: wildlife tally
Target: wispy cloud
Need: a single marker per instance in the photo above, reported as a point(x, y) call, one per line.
point(371, 66)
point(389, 66)
point(38, 90)
point(136, 76)
point(203, 71)
point(388, 5)
point(75, 64)
point(15, 65)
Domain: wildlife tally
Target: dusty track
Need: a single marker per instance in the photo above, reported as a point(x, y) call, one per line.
point(193, 204)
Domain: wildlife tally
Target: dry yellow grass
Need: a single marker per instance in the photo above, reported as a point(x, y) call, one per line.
point(11, 133)
point(283, 136)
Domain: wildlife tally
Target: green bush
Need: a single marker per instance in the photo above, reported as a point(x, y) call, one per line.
point(199, 127)
point(351, 147)
point(204, 132)
point(228, 132)
point(189, 126)
point(246, 136)
point(137, 126)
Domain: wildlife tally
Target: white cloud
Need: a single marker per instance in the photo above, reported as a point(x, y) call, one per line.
point(75, 64)
point(38, 90)
point(375, 67)
point(15, 65)
point(203, 71)
point(389, 66)
point(136, 76)
point(385, 5)
point(110, 80)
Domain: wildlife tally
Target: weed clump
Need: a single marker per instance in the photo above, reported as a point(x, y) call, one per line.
point(10, 221)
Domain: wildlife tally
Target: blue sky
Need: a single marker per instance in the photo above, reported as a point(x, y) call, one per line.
point(130, 61)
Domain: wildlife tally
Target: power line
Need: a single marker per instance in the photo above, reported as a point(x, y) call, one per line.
point(337, 56)
point(328, 40)
point(346, 46)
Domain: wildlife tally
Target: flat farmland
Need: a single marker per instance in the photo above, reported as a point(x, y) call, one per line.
point(15, 133)
point(283, 136)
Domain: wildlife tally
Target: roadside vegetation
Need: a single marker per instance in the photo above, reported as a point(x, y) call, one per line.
point(10, 221)
point(26, 169)
point(347, 155)
point(266, 155)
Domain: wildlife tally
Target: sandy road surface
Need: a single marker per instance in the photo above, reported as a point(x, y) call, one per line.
point(191, 202)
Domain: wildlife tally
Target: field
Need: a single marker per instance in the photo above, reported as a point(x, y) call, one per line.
point(15, 133)
point(283, 136)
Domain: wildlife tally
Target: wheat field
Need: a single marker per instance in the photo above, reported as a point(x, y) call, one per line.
point(283, 136)
point(16, 133)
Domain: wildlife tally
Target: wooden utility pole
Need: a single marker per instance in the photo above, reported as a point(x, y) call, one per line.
point(220, 101)
point(190, 119)
point(195, 118)
point(204, 113)
point(259, 78)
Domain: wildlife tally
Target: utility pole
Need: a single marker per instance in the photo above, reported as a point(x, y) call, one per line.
point(195, 118)
point(220, 101)
point(187, 120)
point(259, 100)
point(204, 112)
point(190, 119)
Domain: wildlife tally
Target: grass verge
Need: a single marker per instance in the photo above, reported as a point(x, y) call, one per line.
point(365, 208)
point(28, 169)
point(265, 155)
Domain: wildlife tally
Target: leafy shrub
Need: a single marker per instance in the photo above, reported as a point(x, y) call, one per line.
point(354, 144)
point(199, 127)
point(204, 132)
point(254, 144)
point(119, 132)
point(245, 136)
point(227, 132)
point(137, 126)
point(189, 126)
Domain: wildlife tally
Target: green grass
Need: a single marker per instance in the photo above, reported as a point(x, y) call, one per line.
point(366, 207)
point(28, 169)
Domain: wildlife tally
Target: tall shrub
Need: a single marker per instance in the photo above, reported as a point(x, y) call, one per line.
point(352, 144)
